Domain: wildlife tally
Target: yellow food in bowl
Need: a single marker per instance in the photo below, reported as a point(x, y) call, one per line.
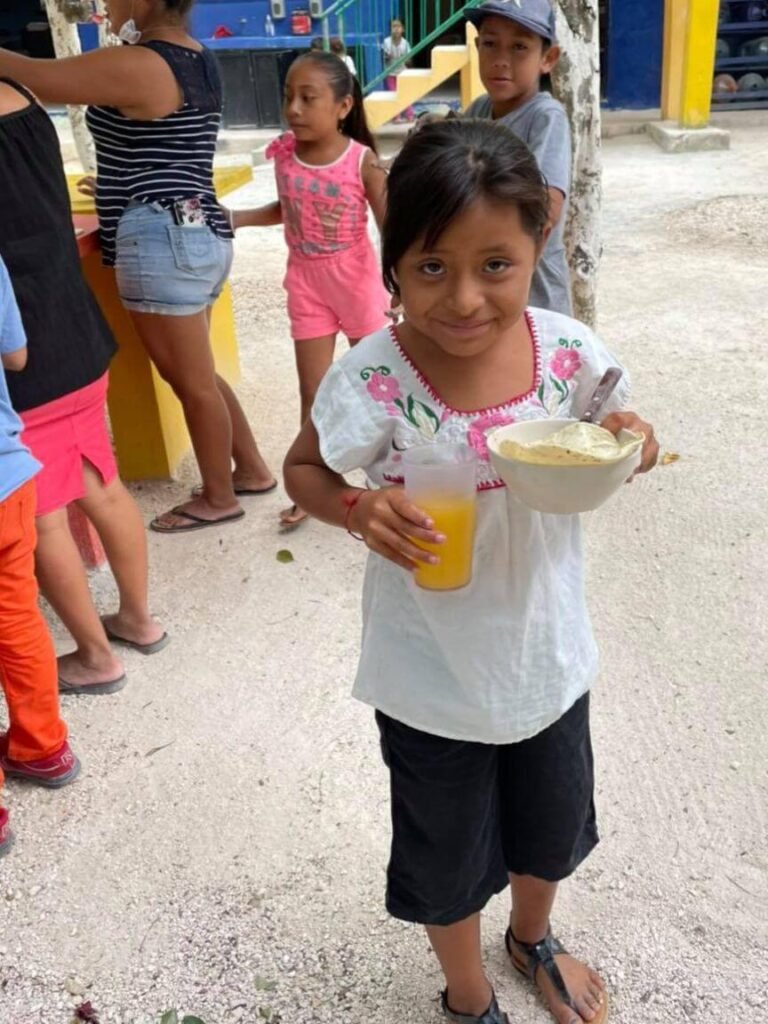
point(577, 444)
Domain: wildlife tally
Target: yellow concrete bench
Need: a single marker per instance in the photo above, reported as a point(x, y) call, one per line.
point(147, 422)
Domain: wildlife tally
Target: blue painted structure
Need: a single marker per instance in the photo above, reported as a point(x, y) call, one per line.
point(632, 40)
point(247, 20)
point(633, 54)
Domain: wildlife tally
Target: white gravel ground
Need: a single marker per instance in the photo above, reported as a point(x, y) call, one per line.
point(237, 873)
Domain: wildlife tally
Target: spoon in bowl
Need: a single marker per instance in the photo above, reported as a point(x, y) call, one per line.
point(605, 388)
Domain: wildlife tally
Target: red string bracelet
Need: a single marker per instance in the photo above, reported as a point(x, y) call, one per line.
point(350, 500)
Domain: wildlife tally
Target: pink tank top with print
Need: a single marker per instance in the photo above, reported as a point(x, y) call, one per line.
point(325, 210)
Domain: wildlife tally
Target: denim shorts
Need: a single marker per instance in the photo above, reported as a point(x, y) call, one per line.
point(164, 268)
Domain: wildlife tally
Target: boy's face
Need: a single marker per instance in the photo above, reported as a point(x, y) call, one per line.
point(512, 60)
point(397, 30)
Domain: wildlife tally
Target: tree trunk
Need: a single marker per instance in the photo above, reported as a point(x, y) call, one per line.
point(66, 43)
point(576, 83)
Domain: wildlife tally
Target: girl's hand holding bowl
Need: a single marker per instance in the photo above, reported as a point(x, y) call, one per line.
point(649, 455)
point(389, 523)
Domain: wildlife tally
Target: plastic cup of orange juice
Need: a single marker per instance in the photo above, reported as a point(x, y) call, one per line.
point(441, 479)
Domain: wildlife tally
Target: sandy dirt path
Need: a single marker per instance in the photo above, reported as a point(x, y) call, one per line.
point(238, 872)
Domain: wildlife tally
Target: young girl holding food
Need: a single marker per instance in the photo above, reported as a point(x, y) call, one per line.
point(481, 694)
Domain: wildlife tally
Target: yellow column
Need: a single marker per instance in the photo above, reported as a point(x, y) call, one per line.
point(699, 63)
point(675, 25)
point(471, 86)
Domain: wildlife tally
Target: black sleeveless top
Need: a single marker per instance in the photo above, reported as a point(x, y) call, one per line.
point(70, 344)
point(164, 159)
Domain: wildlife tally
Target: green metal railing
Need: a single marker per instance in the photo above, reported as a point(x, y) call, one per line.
point(364, 24)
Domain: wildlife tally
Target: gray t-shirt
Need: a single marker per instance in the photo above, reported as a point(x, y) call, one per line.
point(542, 125)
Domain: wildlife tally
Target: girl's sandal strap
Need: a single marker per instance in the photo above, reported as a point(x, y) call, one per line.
point(540, 955)
point(492, 1015)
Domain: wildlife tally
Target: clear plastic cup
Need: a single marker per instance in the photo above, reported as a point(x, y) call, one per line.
point(441, 479)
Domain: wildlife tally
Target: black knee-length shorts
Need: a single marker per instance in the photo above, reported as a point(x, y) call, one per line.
point(465, 814)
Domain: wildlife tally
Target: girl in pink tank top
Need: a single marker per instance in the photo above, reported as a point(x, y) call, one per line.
point(327, 175)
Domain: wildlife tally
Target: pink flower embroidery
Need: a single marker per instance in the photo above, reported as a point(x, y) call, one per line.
point(383, 389)
point(565, 363)
point(476, 435)
point(283, 145)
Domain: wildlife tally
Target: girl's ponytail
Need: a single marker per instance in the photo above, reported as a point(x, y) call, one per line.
point(355, 124)
point(344, 83)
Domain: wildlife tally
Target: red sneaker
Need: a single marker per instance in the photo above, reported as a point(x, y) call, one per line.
point(57, 770)
point(6, 836)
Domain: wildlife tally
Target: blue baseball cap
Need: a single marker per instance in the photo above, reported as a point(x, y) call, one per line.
point(535, 15)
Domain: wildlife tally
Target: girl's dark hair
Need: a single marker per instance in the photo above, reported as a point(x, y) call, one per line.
point(344, 83)
point(442, 170)
point(181, 7)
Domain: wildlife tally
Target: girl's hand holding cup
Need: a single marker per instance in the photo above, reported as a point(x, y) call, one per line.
point(617, 421)
point(390, 523)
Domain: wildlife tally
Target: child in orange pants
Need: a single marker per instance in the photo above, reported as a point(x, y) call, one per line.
point(35, 746)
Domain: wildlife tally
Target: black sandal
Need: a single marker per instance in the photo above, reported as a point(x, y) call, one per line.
point(492, 1015)
point(542, 955)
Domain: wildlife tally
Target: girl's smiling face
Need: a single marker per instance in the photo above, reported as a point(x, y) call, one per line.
point(468, 290)
point(309, 105)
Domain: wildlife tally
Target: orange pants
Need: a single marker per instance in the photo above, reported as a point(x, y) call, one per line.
point(28, 670)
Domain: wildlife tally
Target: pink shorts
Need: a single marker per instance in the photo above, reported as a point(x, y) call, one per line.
point(61, 434)
point(327, 294)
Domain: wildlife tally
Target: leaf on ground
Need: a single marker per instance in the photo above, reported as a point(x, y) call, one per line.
point(265, 1012)
point(264, 984)
point(668, 458)
point(284, 555)
point(192, 1020)
point(170, 1017)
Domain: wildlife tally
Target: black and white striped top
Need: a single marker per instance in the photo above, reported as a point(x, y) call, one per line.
point(167, 158)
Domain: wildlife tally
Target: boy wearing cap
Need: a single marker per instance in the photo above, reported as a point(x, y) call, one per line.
point(516, 45)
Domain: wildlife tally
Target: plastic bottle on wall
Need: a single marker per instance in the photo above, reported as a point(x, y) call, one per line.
point(269, 26)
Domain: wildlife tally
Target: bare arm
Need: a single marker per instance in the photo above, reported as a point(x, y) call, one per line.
point(556, 204)
point(259, 217)
point(133, 79)
point(374, 175)
point(385, 519)
point(15, 360)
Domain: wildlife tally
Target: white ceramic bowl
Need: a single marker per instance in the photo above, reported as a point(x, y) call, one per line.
point(565, 490)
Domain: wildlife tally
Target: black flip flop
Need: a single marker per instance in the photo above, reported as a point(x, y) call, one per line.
point(195, 522)
point(153, 648)
point(95, 689)
point(240, 492)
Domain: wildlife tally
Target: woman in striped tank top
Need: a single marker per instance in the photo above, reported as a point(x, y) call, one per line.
point(155, 112)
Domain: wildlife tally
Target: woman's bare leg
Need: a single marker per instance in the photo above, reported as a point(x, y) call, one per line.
point(250, 470)
point(118, 522)
point(179, 346)
point(64, 584)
